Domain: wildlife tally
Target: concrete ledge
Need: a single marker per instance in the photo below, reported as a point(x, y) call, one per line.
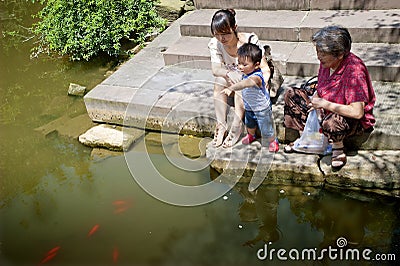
point(376, 26)
point(293, 58)
point(354, 4)
point(179, 99)
point(107, 103)
point(297, 4)
point(253, 4)
point(372, 171)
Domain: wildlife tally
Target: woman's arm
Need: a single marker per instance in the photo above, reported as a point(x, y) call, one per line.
point(354, 110)
point(219, 70)
point(217, 62)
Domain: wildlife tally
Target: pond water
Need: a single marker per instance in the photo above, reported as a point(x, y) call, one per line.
point(59, 205)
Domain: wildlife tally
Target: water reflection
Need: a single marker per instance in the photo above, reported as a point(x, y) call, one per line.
point(261, 205)
point(66, 204)
point(322, 217)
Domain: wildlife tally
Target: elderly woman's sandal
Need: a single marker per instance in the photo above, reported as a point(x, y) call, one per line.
point(233, 137)
point(219, 135)
point(338, 159)
point(289, 148)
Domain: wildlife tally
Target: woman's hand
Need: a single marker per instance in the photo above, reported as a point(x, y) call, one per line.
point(226, 91)
point(354, 110)
point(318, 103)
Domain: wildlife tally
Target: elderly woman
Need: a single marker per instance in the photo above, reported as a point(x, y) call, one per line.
point(344, 93)
point(223, 49)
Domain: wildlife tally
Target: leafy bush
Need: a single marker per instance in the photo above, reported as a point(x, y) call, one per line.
point(82, 29)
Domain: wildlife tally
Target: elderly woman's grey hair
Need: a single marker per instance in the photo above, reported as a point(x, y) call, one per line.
point(334, 40)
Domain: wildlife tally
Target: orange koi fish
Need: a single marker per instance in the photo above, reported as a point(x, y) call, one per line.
point(50, 254)
point(119, 202)
point(53, 250)
point(93, 230)
point(121, 206)
point(120, 209)
point(48, 258)
point(115, 254)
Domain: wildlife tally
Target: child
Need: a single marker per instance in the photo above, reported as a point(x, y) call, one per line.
point(257, 103)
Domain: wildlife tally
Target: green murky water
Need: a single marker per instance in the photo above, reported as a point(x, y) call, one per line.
point(59, 206)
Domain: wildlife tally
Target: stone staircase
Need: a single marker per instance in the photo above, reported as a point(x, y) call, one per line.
point(172, 73)
point(168, 87)
point(287, 26)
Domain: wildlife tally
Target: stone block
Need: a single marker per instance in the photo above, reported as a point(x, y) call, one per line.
point(76, 90)
point(111, 137)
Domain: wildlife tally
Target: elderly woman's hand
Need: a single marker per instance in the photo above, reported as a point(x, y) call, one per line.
point(318, 103)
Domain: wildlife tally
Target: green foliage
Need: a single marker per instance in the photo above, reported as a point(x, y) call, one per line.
point(82, 29)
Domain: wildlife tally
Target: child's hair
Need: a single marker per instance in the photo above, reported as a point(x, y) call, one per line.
point(250, 50)
point(223, 21)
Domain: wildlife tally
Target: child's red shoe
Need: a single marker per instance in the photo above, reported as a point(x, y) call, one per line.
point(248, 139)
point(274, 146)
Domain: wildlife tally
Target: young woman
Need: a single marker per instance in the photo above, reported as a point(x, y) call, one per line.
point(223, 50)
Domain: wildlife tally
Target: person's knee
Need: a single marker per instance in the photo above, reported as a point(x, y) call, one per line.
point(335, 127)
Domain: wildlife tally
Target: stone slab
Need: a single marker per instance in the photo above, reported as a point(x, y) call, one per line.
point(114, 138)
point(179, 100)
point(176, 99)
point(268, 25)
point(382, 60)
point(380, 26)
point(284, 25)
point(297, 4)
point(376, 171)
point(293, 58)
point(107, 103)
point(253, 4)
point(354, 4)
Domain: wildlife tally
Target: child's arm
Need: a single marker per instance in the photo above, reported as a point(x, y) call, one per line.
point(250, 82)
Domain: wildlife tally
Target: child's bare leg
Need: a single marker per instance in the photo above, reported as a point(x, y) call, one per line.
point(251, 131)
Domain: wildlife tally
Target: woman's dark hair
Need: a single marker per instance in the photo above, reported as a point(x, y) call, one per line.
point(250, 50)
point(334, 40)
point(223, 21)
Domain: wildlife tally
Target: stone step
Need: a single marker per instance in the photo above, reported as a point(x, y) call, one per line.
point(297, 4)
point(381, 26)
point(179, 100)
point(295, 58)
